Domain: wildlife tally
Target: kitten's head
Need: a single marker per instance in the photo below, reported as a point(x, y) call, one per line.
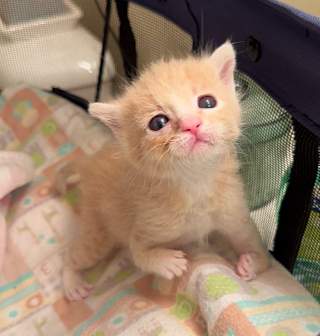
point(179, 112)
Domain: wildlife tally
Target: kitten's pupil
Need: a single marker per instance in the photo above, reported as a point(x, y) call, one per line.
point(207, 102)
point(158, 122)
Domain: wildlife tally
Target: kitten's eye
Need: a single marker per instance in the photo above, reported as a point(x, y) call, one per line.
point(207, 102)
point(158, 122)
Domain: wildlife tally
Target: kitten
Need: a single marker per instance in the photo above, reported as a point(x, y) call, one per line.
point(170, 175)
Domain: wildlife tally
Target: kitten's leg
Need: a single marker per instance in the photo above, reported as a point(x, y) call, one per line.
point(85, 251)
point(165, 262)
point(245, 239)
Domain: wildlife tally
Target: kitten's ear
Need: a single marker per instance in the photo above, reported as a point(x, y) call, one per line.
point(109, 114)
point(224, 60)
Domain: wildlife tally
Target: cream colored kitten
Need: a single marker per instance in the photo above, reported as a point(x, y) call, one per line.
point(169, 177)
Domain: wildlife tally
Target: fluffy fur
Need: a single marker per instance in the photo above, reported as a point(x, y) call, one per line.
point(155, 192)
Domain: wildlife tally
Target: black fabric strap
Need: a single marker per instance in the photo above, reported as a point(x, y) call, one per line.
point(297, 203)
point(127, 41)
point(81, 102)
point(104, 47)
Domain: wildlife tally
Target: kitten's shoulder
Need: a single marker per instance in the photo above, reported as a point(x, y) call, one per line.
point(108, 160)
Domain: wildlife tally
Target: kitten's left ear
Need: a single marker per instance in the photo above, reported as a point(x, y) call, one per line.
point(224, 60)
point(109, 114)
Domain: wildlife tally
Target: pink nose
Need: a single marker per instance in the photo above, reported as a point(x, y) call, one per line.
point(191, 124)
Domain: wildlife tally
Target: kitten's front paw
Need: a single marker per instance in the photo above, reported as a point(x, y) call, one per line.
point(246, 267)
point(78, 292)
point(172, 263)
point(75, 287)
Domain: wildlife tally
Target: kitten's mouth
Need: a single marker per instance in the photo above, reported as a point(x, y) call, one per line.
point(191, 145)
point(199, 144)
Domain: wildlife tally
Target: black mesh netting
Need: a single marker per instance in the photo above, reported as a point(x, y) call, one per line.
point(155, 37)
point(266, 148)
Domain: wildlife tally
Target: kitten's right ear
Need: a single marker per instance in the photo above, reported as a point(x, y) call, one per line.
point(107, 114)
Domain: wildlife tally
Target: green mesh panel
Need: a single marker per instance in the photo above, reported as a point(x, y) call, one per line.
point(265, 151)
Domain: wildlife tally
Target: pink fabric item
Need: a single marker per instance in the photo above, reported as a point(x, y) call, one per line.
point(16, 169)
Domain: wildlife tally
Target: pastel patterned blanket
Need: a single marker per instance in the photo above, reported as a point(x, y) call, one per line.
point(208, 300)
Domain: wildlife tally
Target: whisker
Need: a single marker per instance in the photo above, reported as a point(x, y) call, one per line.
point(238, 42)
point(241, 52)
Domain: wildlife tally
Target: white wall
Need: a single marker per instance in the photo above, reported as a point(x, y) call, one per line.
point(309, 6)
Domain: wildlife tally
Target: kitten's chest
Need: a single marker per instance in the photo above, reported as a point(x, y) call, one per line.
point(199, 215)
point(200, 201)
point(194, 227)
